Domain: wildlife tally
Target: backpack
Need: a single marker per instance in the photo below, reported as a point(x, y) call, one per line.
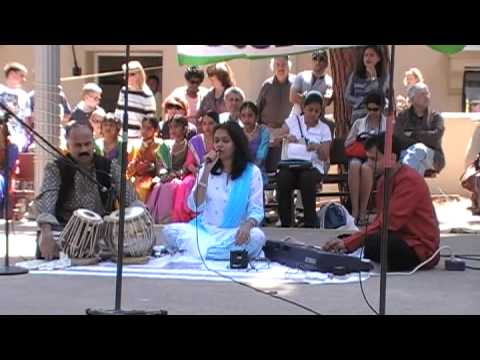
point(334, 216)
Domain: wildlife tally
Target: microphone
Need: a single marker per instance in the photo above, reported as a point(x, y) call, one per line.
point(208, 160)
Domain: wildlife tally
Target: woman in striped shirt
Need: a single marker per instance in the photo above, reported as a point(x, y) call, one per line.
point(141, 101)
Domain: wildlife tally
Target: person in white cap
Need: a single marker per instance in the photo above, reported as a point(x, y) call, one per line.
point(16, 99)
point(91, 96)
point(141, 101)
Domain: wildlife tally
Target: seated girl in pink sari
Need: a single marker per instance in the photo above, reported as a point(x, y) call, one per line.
point(161, 201)
point(199, 146)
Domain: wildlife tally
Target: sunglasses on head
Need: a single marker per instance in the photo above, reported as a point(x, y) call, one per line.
point(176, 107)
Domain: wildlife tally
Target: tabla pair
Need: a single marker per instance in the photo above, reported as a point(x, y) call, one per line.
point(81, 237)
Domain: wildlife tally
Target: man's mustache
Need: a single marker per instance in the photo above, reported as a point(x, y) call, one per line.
point(84, 154)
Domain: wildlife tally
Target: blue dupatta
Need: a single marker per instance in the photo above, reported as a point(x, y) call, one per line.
point(237, 204)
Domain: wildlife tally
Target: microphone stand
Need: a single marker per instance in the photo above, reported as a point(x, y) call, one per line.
point(121, 225)
point(7, 270)
point(386, 191)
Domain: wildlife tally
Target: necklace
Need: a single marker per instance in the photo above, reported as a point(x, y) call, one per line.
point(251, 133)
point(183, 145)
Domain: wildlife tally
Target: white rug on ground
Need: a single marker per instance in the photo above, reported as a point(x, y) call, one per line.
point(179, 267)
point(455, 217)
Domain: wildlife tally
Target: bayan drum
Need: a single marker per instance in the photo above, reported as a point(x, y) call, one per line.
point(139, 238)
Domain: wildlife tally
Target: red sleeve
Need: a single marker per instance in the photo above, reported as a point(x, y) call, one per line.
point(354, 241)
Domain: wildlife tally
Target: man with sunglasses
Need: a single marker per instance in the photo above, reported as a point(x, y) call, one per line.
point(91, 96)
point(312, 80)
point(193, 93)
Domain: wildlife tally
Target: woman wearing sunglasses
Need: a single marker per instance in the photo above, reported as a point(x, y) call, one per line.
point(175, 106)
point(360, 174)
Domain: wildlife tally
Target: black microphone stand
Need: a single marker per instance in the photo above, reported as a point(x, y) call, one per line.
point(386, 194)
point(121, 225)
point(7, 269)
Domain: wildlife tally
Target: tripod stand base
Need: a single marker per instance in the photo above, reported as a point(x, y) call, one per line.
point(12, 270)
point(97, 312)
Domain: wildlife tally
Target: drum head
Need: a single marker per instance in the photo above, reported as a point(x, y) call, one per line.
point(130, 213)
point(88, 215)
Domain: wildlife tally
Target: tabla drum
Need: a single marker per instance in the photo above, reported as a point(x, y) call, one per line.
point(139, 238)
point(80, 237)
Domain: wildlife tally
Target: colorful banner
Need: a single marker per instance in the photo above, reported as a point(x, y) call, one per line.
point(210, 54)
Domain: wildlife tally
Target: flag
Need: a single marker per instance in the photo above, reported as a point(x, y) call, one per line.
point(210, 54)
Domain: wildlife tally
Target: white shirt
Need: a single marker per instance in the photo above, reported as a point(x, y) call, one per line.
point(304, 82)
point(361, 126)
point(316, 135)
point(18, 101)
point(218, 190)
point(193, 103)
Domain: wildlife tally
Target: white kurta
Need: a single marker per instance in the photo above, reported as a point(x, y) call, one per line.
point(318, 134)
point(183, 237)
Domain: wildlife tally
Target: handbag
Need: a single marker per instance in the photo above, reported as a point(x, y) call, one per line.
point(356, 150)
point(292, 163)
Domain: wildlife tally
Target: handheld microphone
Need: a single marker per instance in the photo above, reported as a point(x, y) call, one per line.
point(209, 161)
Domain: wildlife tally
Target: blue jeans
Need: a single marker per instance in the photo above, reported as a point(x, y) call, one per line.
point(419, 157)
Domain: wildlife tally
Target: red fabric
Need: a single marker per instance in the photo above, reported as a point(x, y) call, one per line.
point(411, 214)
point(356, 150)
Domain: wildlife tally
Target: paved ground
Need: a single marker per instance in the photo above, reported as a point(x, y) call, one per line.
point(428, 292)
